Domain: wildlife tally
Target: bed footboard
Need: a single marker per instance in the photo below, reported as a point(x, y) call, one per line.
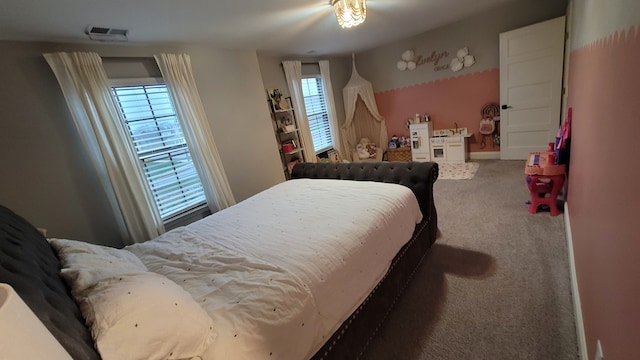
point(354, 335)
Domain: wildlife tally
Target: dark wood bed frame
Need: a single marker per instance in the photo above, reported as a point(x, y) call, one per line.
point(30, 266)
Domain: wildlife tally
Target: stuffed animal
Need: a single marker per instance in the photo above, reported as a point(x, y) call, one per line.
point(362, 152)
point(394, 142)
point(366, 149)
point(371, 148)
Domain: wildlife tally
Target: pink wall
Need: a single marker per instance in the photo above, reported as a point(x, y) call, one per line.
point(603, 198)
point(456, 99)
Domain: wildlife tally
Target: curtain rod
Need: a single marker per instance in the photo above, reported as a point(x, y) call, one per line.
point(128, 58)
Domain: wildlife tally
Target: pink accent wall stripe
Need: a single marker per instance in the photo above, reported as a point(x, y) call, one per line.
point(454, 100)
point(603, 198)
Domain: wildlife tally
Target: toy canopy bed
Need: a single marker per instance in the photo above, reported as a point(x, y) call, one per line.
point(270, 277)
point(363, 121)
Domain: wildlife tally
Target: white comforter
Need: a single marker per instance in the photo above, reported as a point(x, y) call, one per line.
point(279, 272)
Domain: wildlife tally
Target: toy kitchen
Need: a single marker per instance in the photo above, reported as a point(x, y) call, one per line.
point(444, 145)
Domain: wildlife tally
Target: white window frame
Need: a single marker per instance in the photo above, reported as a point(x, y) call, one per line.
point(200, 209)
point(329, 122)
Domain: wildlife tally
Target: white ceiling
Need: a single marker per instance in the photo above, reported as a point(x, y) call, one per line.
point(277, 27)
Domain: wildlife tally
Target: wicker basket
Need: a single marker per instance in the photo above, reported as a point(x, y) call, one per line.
point(399, 154)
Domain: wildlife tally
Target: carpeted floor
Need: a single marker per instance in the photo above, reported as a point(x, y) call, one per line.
point(496, 283)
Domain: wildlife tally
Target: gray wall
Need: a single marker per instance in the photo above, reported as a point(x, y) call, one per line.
point(273, 76)
point(47, 179)
point(597, 18)
point(479, 33)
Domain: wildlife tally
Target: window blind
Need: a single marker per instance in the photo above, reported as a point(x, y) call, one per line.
point(316, 105)
point(161, 148)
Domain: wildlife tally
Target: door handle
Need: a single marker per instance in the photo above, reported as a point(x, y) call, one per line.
point(505, 107)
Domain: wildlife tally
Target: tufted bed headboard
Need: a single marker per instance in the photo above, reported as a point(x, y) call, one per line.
point(417, 176)
point(29, 265)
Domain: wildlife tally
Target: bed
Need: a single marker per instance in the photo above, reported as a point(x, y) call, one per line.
point(310, 323)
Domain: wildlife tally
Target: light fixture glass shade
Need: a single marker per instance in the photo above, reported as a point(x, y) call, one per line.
point(350, 12)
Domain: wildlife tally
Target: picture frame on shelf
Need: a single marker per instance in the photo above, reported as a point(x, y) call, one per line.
point(285, 123)
point(281, 127)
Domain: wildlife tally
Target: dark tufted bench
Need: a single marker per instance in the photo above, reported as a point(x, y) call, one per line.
point(352, 338)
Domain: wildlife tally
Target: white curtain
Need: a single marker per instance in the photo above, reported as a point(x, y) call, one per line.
point(85, 87)
point(178, 75)
point(331, 107)
point(359, 124)
point(293, 73)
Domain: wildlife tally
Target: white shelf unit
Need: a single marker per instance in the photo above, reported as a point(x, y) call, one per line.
point(287, 134)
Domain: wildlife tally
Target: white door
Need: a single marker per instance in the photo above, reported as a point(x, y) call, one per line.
point(531, 62)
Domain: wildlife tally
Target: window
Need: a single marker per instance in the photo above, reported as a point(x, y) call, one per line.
point(319, 124)
point(161, 148)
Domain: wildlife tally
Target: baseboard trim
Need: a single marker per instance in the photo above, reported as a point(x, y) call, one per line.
point(484, 155)
point(577, 308)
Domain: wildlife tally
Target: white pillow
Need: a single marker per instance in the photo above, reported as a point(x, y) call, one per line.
point(145, 316)
point(85, 264)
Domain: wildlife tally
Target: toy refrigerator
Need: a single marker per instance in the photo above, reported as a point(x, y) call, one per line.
point(420, 134)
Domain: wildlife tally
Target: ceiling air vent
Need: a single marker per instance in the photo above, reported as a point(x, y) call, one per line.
point(98, 33)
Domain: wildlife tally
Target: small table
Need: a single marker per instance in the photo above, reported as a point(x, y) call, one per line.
point(544, 191)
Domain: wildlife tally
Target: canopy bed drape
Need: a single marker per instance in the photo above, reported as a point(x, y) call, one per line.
point(362, 117)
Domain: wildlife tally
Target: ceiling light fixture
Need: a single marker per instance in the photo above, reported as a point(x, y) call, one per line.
point(350, 13)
